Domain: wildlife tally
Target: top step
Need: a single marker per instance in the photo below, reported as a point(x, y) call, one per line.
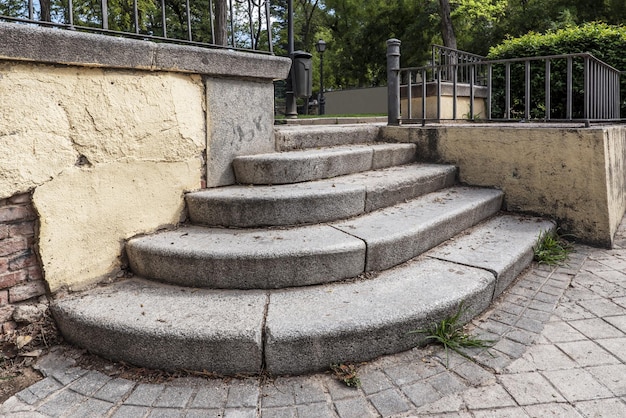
point(320, 163)
point(298, 137)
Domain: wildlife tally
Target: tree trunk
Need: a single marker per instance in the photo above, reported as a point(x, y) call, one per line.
point(447, 31)
point(221, 23)
point(45, 10)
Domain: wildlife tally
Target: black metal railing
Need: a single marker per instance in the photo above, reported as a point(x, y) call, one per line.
point(233, 24)
point(556, 88)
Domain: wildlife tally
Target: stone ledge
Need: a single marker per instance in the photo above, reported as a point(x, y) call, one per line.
point(56, 46)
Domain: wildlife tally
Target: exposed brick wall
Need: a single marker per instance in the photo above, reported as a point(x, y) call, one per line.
point(21, 280)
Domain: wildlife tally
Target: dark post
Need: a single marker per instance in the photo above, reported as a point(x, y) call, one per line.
point(320, 46)
point(291, 110)
point(393, 82)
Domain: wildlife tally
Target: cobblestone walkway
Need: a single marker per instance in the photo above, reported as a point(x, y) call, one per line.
point(560, 351)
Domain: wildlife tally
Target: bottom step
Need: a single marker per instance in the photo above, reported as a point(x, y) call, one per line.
point(299, 330)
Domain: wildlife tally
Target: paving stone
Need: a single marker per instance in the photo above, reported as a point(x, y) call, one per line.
point(577, 384)
point(338, 390)
point(131, 411)
point(602, 307)
point(144, 394)
point(620, 301)
point(540, 316)
point(446, 383)
point(277, 394)
point(205, 413)
point(510, 348)
point(61, 403)
point(612, 376)
point(374, 381)
point(616, 346)
point(560, 331)
point(494, 327)
point(165, 413)
point(514, 412)
point(114, 390)
point(389, 402)
point(487, 397)
point(240, 413)
point(504, 317)
point(315, 410)
point(529, 324)
point(447, 404)
point(308, 390)
point(494, 360)
point(243, 395)
point(542, 357)
point(89, 383)
point(530, 388)
point(174, 397)
point(522, 336)
point(40, 390)
point(551, 410)
point(587, 353)
point(354, 408)
point(602, 408)
point(510, 308)
point(618, 322)
point(406, 373)
point(13, 406)
point(212, 395)
point(570, 311)
point(473, 374)
point(92, 408)
point(421, 393)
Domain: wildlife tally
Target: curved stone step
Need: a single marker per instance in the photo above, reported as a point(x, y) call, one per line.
point(318, 201)
point(247, 259)
point(321, 163)
point(167, 327)
point(306, 255)
point(298, 137)
point(297, 330)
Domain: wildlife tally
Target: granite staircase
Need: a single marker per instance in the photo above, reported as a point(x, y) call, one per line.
point(320, 256)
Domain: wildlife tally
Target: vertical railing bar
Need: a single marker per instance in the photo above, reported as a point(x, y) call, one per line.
point(454, 91)
point(136, 17)
point(31, 10)
point(439, 94)
point(472, 72)
point(105, 14)
point(409, 96)
point(268, 23)
point(189, 36)
point(211, 21)
point(547, 98)
point(232, 24)
point(586, 88)
point(507, 93)
point(393, 82)
point(527, 90)
point(569, 86)
point(70, 6)
point(164, 20)
point(251, 24)
point(489, 89)
point(424, 75)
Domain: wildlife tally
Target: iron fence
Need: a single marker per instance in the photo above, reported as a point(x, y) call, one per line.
point(557, 88)
point(233, 24)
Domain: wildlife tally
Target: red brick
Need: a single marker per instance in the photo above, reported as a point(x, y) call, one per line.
point(34, 273)
point(21, 229)
point(4, 231)
point(14, 213)
point(23, 260)
point(20, 198)
point(26, 290)
point(6, 313)
point(4, 297)
point(13, 245)
point(11, 279)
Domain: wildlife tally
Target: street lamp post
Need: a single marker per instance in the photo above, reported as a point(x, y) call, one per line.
point(320, 46)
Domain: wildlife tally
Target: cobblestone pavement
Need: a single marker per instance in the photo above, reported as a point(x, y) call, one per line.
point(560, 351)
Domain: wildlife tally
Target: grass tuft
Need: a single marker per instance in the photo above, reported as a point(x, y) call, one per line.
point(450, 334)
point(552, 249)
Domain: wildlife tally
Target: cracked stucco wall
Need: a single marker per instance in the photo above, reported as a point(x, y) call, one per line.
point(108, 153)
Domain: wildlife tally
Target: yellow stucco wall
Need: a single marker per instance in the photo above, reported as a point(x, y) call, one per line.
point(572, 175)
point(108, 153)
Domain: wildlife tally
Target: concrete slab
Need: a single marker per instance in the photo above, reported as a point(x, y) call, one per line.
point(309, 329)
point(167, 327)
point(247, 259)
point(399, 233)
point(503, 245)
point(314, 164)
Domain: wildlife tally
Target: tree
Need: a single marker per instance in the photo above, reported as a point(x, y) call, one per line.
point(447, 30)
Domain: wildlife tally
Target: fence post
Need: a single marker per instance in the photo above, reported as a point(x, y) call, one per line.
point(393, 82)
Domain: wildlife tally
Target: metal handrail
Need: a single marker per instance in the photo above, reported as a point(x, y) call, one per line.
point(598, 97)
point(253, 15)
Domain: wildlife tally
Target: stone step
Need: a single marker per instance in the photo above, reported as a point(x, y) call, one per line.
point(298, 330)
point(299, 256)
point(314, 164)
point(290, 138)
point(317, 201)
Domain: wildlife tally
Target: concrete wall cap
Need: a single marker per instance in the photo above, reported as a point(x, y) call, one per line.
point(49, 45)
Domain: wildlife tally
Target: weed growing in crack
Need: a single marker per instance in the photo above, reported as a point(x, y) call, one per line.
point(346, 373)
point(450, 334)
point(551, 248)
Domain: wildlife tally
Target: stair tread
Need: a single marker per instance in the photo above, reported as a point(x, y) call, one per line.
point(326, 162)
point(315, 201)
point(304, 255)
point(307, 328)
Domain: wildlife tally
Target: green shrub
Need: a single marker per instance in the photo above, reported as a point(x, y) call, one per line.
point(603, 41)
